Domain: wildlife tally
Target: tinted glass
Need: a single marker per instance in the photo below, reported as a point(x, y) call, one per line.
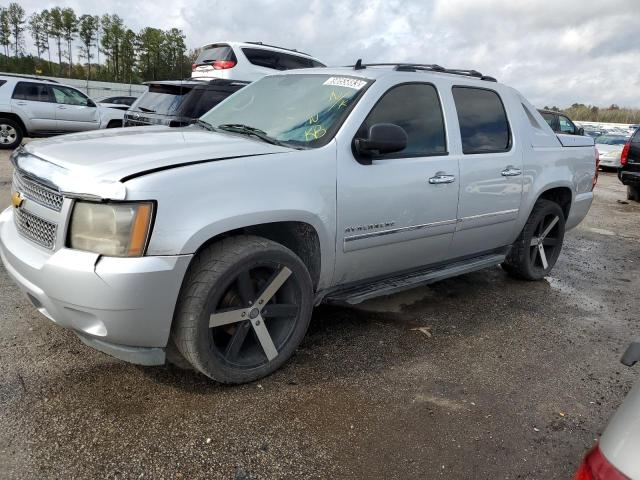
point(69, 96)
point(291, 62)
point(161, 99)
point(415, 108)
point(636, 137)
point(483, 122)
point(566, 125)
point(201, 100)
point(215, 52)
point(548, 117)
point(35, 92)
point(261, 57)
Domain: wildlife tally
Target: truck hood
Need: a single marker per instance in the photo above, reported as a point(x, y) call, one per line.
point(96, 165)
point(114, 155)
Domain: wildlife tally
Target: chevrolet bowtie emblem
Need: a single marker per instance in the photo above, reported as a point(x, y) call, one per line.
point(16, 199)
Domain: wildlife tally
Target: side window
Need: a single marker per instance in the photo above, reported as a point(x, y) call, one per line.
point(69, 96)
point(549, 118)
point(291, 62)
point(566, 125)
point(484, 127)
point(261, 57)
point(636, 136)
point(34, 92)
point(416, 108)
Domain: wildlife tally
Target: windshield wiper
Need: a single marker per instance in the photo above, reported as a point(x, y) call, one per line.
point(205, 125)
point(248, 130)
point(144, 109)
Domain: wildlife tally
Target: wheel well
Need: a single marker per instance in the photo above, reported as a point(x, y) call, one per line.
point(15, 118)
point(561, 196)
point(299, 237)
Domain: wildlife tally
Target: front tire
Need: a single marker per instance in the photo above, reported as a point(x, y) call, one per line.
point(11, 134)
point(538, 247)
point(244, 308)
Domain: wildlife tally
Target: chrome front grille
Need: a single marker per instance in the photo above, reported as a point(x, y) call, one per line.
point(40, 194)
point(36, 229)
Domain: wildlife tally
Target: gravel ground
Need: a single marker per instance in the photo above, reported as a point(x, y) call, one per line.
point(512, 380)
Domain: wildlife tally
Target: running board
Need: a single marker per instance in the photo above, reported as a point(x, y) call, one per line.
point(390, 285)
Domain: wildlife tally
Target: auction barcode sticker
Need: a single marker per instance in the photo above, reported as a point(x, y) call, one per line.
point(346, 82)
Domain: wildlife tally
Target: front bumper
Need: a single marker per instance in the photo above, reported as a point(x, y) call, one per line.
point(121, 306)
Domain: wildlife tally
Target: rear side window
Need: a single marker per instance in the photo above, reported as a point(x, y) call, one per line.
point(2, 82)
point(34, 92)
point(213, 53)
point(484, 127)
point(549, 118)
point(278, 60)
point(201, 100)
point(416, 108)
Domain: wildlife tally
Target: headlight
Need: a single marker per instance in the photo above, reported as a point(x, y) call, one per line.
point(113, 229)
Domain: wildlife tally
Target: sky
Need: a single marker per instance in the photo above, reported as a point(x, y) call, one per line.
point(554, 52)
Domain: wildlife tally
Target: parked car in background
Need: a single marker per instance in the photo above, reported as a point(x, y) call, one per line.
point(560, 123)
point(617, 455)
point(610, 148)
point(178, 103)
point(209, 245)
point(128, 101)
point(629, 172)
point(248, 61)
point(35, 107)
point(119, 103)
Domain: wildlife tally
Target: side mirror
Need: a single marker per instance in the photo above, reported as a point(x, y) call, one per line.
point(382, 138)
point(580, 131)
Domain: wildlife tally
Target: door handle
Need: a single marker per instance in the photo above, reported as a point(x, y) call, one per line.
point(511, 171)
point(440, 178)
point(21, 103)
point(62, 107)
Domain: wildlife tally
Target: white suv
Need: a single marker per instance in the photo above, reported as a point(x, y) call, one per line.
point(248, 61)
point(37, 107)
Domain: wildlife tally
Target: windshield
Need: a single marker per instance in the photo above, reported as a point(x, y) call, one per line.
point(161, 99)
point(611, 140)
point(303, 110)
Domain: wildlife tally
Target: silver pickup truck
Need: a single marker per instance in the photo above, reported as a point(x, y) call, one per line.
point(208, 246)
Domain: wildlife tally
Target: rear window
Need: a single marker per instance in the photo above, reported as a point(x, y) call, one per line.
point(484, 127)
point(200, 100)
point(35, 92)
point(278, 60)
point(214, 53)
point(162, 99)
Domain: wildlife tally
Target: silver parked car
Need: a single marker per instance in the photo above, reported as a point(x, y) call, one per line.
point(210, 245)
point(610, 148)
point(37, 107)
point(617, 455)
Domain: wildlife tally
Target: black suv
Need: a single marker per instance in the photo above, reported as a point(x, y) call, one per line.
point(177, 103)
point(560, 123)
point(629, 172)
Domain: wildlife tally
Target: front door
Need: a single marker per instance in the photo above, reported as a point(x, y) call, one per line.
point(34, 102)
point(75, 112)
point(491, 176)
point(397, 211)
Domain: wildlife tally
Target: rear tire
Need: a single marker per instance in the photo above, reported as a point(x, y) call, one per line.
point(538, 247)
point(244, 308)
point(633, 193)
point(11, 134)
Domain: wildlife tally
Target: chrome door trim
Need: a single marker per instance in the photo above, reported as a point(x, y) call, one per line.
point(485, 219)
point(398, 230)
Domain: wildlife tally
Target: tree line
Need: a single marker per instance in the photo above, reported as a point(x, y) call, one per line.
point(591, 113)
point(89, 46)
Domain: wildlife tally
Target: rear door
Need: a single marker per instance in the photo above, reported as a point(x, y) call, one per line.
point(397, 211)
point(34, 102)
point(633, 158)
point(491, 179)
point(75, 112)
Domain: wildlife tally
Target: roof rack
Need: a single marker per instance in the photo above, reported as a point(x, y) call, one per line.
point(281, 48)
point(414, 67)
point(28, 77)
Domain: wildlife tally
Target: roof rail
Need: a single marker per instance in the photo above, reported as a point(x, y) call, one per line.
point(281, 48)
point(28, 77)
point(413, 67)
